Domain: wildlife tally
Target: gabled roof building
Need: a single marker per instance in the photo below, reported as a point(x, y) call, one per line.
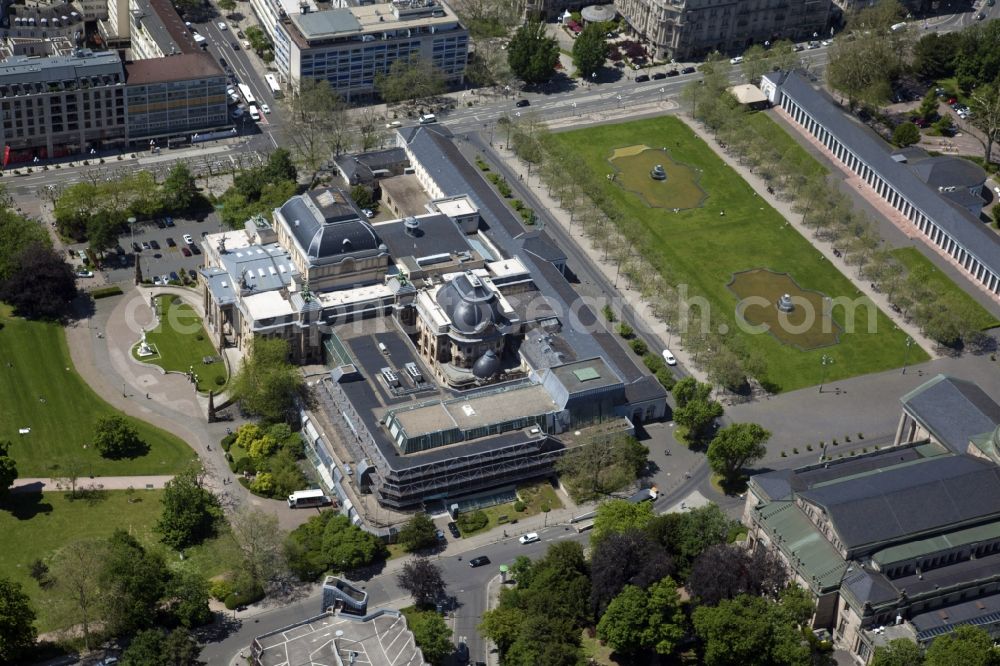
point(902, 542)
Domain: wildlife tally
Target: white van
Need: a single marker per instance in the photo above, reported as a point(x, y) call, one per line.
point(254, 113)
point(428, 118)
point(669, 358)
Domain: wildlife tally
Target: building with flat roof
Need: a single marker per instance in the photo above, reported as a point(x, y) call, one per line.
point(380, 638)
point(157, 30)
point(902, 542)
point(175, 95)
point(945, 219)
point(687, 29)
point(350, 46)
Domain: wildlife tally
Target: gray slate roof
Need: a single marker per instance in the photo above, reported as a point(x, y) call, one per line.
point(326, 225)
point(953, 410)
point(909, 500)
point(944, 171)
point(958, 223)
point(869, 586)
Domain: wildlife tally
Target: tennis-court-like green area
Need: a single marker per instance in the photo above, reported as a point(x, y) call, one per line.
point(733, 231)
point(40, 390)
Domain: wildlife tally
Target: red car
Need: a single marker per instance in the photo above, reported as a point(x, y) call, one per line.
point(951, 100)
point(186, 252)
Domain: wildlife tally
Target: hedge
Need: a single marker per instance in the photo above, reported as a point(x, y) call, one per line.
point(235, 600)
point(104, 292)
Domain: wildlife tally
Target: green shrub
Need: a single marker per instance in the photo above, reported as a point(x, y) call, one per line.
point(504, 189)
point(517, 204)
point(528, 215)
point(665, 377)
point(244, 465)
point(104, 292)
point(472, 521)
point(520, 506)
point(625, 330)
point(639, 346)
point(609, 314)
point(220, 380)
point(483, 166)
point(809, 447)
point(236, 599)
point(795, 451)
point(784, 455)
point(227, 441)
point(653, 362)
point(220, 589)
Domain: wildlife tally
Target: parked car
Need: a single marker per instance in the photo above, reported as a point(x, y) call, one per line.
point(239, 33)
point(735, 61)
point(164, 279)
point(195, 249)
point(265, 108)
point(192, 274)
point(136, 247)
point(669, 358)
point(188, 239)
point(171, 242)
point(673, 72)
point(84, 273)
point(522, 103)
point(169, 221)
point(659, 75)
point(480, 561)
point(235, 45)
point(462, 652)
point(160, 224)
point(222, 61)
point(157, 281)
point(174, 276)
point(186, 252)
point(642, 78)
point(393, 124)
point(369, 213)
point(222, 25)
point(688, 70)
point(145, 245)
point(453, 528)
point(440, 535)
point(154, 244)
point(530, 537)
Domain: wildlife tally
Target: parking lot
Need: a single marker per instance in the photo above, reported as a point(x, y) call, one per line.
point(165, 253)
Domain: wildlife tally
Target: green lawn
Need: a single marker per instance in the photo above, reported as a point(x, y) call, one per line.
point(784, 142)
point(536, 497)
point(702, 249)
point(34, 366)
point(916, 263)
point(182, 343)
point(37, 525)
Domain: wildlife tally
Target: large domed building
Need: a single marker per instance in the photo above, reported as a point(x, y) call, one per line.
point(464, 327)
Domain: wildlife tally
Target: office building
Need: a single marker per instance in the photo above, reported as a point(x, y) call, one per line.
point(689, 29)
point(902, 542)
point(351, 46)
point(176, 95)
point(156, 30)
point(940, 197)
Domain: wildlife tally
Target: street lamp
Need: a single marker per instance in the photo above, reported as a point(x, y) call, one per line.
point(662, 92)
point(906, 353)
point(131, 228)
point(575, 112)
point(824, 362)
point(620, 105)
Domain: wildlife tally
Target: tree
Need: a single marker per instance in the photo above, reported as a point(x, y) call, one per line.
point(179, 188)
point(602, 466)
point(279, 166)
point(934, 55)
point(116, 437)
point(735, 447)
point(8, 468)
point(190, 511)
point(41, 286)
point(620, 516)
point(186, 598)
point(76, 591)
point(967, 645)
point(984, 102)
point(319, 122)
point(858, 68)
point(899, 652)
point(348, 546)
point(620, 559)
point(18, 233)
point(267, 384)
point(431, 634)
point(590, 50)
point(696, 416)
point(749, 631)
point(260, 540)
point(502, 625)
point(418, 533)
point(725, 571)
point(363, 195)
point(689, 389)
point(410, 79)
point(422, 579)
point(227, 5)
point(17, 622)
point(102, 233)
point(154, 647)
point(686, 535)
point(906, 134)
point(532, 54)
point(261, 449)
point(638, 620)
point(258, 40)
point(132, 581)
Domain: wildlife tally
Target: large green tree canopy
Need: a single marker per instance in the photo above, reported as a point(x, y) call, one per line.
point(532, 54)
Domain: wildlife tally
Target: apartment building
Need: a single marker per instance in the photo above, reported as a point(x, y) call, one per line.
point(157, 30)
point(686, 29)
point(176, 95)
point(350, 47)
point(61, 105)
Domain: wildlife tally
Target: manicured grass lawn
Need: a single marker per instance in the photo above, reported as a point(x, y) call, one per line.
point(940, 283)
point(702, 249)
point(536, 497)
point(37, 525)
point(182, 343)
point(35, 365)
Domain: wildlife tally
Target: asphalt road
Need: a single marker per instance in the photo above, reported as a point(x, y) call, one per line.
point(465, 584)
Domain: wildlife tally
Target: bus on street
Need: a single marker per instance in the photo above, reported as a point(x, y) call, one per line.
point(247, 95)
point(272, 83)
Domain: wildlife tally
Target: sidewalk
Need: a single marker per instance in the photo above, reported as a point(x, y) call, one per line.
point(156, 482)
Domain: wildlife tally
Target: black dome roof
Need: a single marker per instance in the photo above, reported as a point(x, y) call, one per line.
point(486, 365)
point(471, 307)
